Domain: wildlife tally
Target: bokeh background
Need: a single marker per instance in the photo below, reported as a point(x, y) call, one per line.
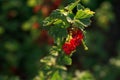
point(20, 22)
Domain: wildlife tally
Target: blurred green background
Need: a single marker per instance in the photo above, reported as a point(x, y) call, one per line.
point(20, 22)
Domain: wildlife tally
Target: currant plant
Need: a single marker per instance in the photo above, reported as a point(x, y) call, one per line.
point(64, 29)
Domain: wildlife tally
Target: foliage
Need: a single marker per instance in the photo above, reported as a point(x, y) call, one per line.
point(62, 25)
point(32, 39)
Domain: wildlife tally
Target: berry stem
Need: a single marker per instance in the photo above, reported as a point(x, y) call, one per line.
point(85, 47)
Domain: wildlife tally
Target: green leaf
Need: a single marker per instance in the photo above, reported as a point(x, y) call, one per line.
point(72, 6)
point(70, 17)
point(48, 21)
point(82, 14)
point(86, 21)
point(59, 21)
point(79, 6)
point(56, 76)
point(82, 23)
point(79, 24)
point(58, 31)
point(82, 18)
point(1, 30)
point(66, 60)
point(56, 16)
point(86, 76)
point(48, 60)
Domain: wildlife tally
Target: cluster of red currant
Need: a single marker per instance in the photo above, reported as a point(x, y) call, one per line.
point(35, 25)
point(72, 43)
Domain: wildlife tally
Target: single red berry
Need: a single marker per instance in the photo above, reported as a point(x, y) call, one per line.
point(78, 34)
point(36, 25)
point(44, 33)
point(45, 38)
point(46, 10)
point(68, 48)
point(73, 42)
point(56, 3)
point(37, 8)
point(42, 39)
point(50, 41)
